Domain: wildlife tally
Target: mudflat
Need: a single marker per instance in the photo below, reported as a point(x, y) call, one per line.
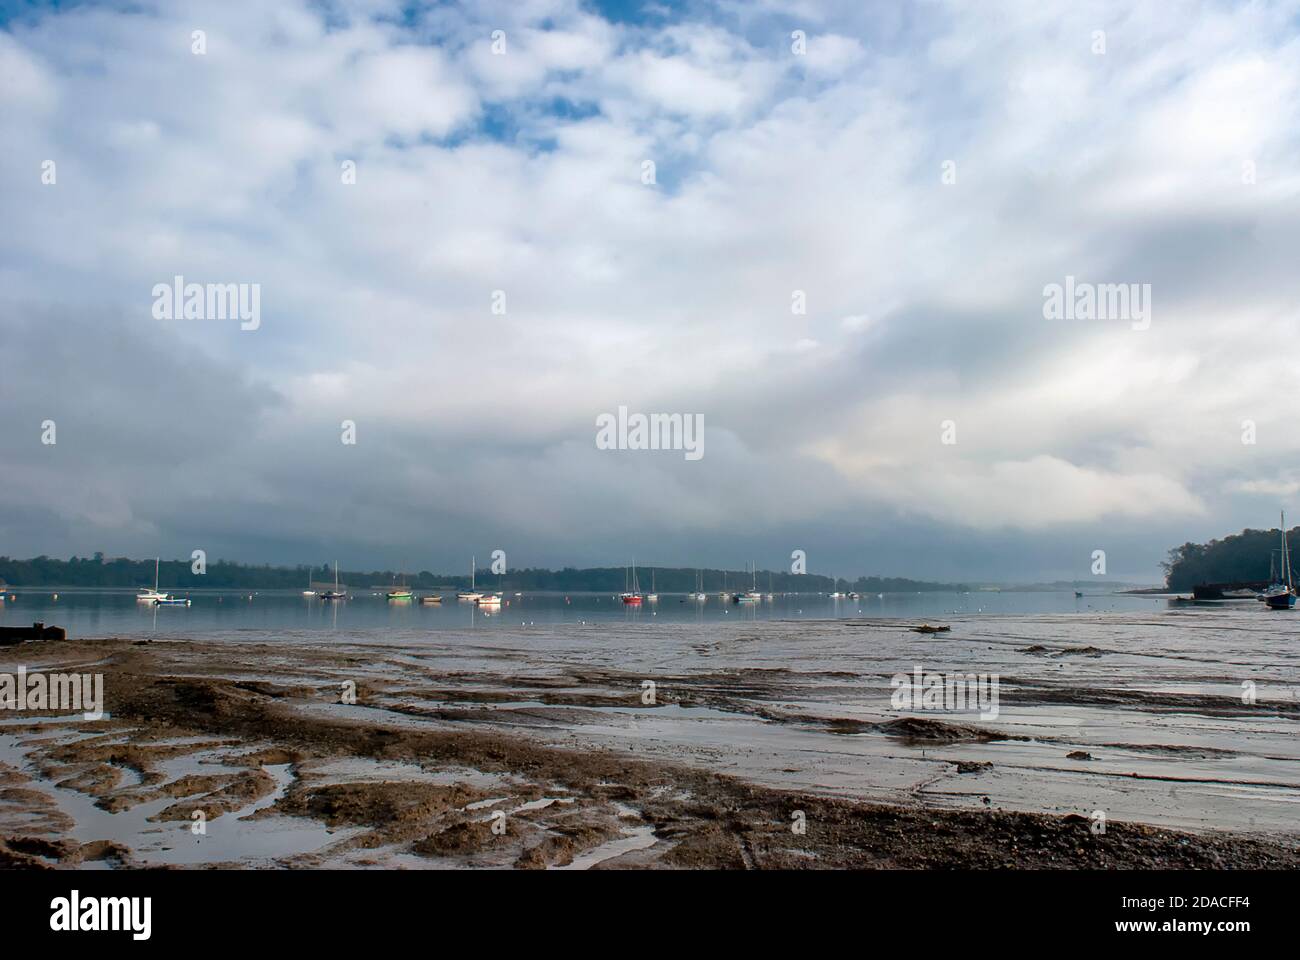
point(759, 746)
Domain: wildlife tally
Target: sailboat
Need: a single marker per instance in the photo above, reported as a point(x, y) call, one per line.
point(161, 599)
point(652, 597)
point(400, 593)
point(490, 599)
point(724, 595)
point(751, 595)
point(471, 593)
point(152, 596)
point(769, 595)
point(1281, 595)
point(336, 593)
point(632, 597)
point(699, 585)
point(309, 592)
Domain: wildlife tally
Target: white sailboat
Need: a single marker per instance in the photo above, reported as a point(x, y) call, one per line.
point(632, 596)
point(751, 595)
point(699, 593)
point(652, 597)
point(471, 593)
point(152, 596)
point(309, 592)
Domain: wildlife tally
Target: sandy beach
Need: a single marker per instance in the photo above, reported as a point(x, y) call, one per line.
point(767, 745)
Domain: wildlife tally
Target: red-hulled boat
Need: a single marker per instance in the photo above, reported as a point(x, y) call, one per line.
point(632, 596)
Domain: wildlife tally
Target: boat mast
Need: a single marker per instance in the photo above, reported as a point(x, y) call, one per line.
point(1286, 554)
point(155, 573)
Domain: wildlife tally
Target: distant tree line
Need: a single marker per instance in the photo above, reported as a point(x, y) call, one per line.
point(178, 575)
point(1240, 557)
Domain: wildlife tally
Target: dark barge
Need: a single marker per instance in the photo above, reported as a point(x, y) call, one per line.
point(11, 636)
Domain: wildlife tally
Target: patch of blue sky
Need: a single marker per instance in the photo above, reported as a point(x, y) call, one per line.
point(524, 124)
point(640, 12)
point(19, 11)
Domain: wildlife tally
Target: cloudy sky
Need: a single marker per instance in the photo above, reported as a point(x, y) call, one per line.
point(916, 173)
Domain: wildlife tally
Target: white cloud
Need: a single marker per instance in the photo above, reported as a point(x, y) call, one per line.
point(775, 174)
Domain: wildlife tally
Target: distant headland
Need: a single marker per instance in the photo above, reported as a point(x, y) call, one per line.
point(1239, 558)
point(121, 572)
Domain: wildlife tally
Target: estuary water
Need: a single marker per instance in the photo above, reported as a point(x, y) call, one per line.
point(213, 614)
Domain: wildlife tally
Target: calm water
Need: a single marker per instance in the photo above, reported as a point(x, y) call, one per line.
point(112, 613)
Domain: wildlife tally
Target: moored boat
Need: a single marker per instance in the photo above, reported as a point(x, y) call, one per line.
point(699, 593)
point(751, 595)
point(632, 594)
point(337, 593)
point(401, 592)
point(471, 594)
point(1281, 594)
point(154, 595)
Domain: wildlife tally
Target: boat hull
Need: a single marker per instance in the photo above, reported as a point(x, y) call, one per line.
point(1280, 601)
